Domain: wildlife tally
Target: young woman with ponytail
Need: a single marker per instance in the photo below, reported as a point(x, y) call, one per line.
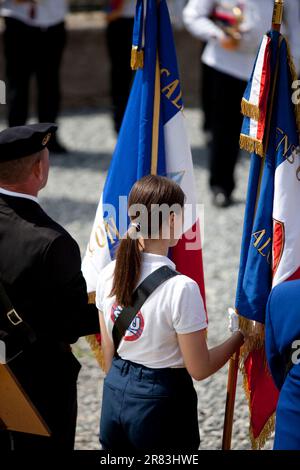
point(149, 402)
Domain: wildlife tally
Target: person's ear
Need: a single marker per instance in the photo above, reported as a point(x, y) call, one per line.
point(38, 169)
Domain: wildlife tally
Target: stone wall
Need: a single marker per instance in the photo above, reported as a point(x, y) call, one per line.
point(85, 70)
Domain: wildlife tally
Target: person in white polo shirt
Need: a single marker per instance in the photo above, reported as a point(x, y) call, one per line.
point(233, 30)
point(34, 40)
point(149, 402)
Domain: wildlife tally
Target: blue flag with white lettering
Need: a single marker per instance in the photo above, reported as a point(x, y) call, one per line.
point(152, 140)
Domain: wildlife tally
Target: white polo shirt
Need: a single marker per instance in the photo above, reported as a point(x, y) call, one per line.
point(257, 21)
point(48, 12)
point(175, 307)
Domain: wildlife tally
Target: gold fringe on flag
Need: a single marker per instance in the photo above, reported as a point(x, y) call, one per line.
point(96, 349)
point(257, 443)
point(252, 145)
point(137, 58)
point(250, 110)
point(255, 333)
point(92, 340)
point(92, 297)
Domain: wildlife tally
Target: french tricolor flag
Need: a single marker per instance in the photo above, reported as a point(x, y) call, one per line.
point(270, 252)
point(255, 101)
point(152, 140)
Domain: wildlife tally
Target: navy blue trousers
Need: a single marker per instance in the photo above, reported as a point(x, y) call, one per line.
point(147, 409)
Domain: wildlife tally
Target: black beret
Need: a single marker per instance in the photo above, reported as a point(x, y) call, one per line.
point(23, 141)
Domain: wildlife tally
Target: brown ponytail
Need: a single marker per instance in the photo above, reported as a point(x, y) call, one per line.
point(149, 191)
point(127, 270)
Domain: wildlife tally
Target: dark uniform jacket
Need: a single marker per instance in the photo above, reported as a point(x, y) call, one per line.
point(40, 267)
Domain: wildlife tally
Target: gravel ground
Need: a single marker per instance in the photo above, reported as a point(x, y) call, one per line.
point(71, 198)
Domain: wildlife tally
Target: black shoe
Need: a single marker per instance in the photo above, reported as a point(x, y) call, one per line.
point(55, 146)
point(221, 199)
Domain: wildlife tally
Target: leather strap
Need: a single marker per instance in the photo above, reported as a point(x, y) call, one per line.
point(140, 295)
point(15, 332)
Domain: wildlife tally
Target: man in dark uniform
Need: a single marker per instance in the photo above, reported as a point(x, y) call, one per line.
point(40, 268)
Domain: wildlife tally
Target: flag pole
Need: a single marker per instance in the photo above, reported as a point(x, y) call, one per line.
point(234, 361)
point(156, 115)
point(230, 400)
point(277, 15)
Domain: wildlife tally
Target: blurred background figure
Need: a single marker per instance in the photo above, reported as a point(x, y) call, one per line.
point(233, 31)
point(175, 9)
point(206, 74)
point(34, 41)
point(120, 19)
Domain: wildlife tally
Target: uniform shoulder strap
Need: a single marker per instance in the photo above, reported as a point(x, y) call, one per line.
point(140, 295)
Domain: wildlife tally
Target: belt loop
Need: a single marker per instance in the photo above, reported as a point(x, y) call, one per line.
point(125, 368)
point(140, 373)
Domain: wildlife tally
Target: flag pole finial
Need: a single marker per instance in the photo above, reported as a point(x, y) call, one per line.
point(277, 15)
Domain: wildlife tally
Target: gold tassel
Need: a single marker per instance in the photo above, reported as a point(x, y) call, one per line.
point(255, 333)
point(251, 145)
point(92, 340)
point(137, 58)
point(92, 297)
point(250, 110)
point(96, 349)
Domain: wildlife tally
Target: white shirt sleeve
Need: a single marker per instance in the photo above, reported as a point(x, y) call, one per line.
point(104, 285)
point(257, 22)
point(196, 19)
point(188, 309)
point(100, 293)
